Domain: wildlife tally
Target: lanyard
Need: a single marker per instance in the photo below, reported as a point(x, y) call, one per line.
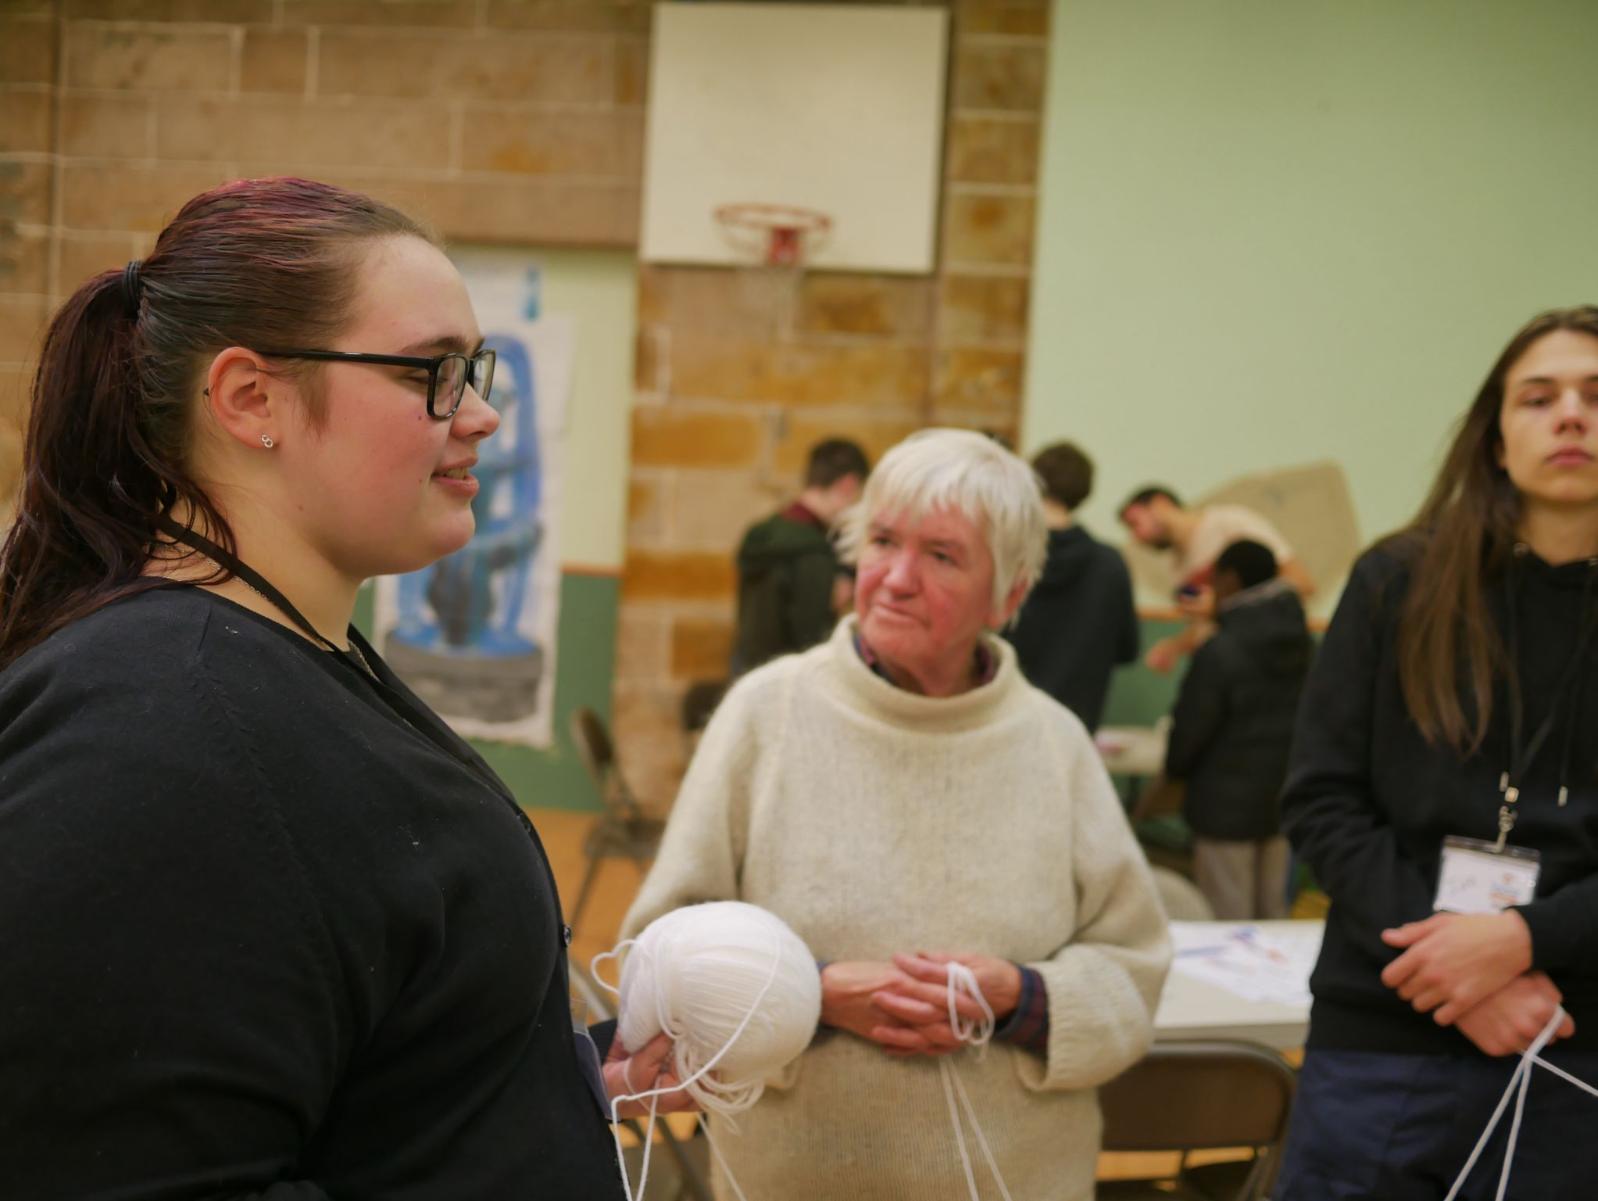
point(1523, 752)
point(413, 715)
point(422, 722)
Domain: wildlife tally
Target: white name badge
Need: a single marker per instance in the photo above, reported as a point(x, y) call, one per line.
point(1475, 877)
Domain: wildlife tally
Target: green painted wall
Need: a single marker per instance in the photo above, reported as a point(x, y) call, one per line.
point(1277, 232)
point(554, 778)
point(1138, 696)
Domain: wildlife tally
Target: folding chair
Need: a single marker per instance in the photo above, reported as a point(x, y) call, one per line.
point(623, 830)
point(690, 1158)
point(1180, 897)
point(1190, 1096)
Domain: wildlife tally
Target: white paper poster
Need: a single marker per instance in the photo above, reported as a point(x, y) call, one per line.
point(474, 634)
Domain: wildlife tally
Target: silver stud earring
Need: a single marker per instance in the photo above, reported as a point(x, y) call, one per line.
point(266, 441)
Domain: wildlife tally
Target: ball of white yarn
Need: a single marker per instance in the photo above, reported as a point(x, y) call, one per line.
point(699, 972)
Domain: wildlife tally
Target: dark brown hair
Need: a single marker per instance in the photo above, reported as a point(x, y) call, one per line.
point(1066, 472)
point(1448, 648)
point(1250, 563)
point(833, 459)
point(1147, 493)
point(262, 262)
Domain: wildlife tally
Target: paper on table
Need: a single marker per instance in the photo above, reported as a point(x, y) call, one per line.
point(1247, 961)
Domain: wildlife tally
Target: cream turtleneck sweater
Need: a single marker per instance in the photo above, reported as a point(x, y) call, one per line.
point(874, 820)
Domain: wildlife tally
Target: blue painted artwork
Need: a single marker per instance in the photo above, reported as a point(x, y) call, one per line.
point(459, 637)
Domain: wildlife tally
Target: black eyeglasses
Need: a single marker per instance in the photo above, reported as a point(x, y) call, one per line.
point(447, 374)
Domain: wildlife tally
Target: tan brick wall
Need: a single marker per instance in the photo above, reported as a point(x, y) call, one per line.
point(498, 120)
point(521, 121)
point(736, 384)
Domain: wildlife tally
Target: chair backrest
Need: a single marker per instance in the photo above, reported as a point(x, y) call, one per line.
point(1180, 897)
point(699, 702)
point(598, 754)
point(1184, 1096)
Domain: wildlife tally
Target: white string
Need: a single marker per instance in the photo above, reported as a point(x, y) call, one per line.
point(969, 1030)
point(946, 1073)
point(1564, 1075)
point(987, 1152)
point(704, 1124)
point(649, 1145)
point(613, 953)
point(977, 1032)
point(722, 1098)
point(1519, 1083)
point(1514, 1133)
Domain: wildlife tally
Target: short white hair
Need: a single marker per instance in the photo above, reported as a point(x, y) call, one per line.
point(968, 473)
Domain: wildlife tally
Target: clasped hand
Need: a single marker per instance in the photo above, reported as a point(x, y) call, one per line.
point(1451, 961)
point(903, 1006)
point(1473, 971)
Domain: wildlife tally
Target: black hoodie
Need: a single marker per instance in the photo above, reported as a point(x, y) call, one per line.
point(1369, 801)
point(1077, 623)
point(1233, 722)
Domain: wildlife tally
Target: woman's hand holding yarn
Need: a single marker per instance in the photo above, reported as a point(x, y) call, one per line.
point(1453, 961)
point(1508, 1021)
point(649, 1069)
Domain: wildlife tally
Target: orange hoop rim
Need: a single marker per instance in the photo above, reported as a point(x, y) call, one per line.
point(784, 227)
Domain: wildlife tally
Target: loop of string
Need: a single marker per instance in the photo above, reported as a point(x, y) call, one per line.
point(713, 1095)
point(1519, 1083)
point(976, 1032)
point(727, 1099)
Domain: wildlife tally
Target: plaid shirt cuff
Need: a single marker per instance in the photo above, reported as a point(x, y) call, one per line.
point(1028, 1026)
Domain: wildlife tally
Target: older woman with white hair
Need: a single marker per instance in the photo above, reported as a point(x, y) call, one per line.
point(903, 798)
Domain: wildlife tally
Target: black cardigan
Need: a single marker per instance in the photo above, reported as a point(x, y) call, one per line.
point(264, 939)
point(1368, 802)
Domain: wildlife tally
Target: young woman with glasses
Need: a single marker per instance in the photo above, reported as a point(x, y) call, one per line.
point(270, 928)
point(1444, 789)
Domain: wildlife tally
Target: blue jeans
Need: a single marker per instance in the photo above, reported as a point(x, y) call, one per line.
point(1375, 1126)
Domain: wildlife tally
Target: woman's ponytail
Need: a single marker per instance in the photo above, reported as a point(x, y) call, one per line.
point(88, 498)
point(254, 262)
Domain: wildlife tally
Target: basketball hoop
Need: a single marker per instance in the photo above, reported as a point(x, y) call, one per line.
point(778, 235)
point(772, 242)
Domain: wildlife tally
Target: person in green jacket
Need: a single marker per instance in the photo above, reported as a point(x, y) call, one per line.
point(788, 571)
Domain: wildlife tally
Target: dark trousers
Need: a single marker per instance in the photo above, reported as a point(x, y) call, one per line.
point(1375, 1126)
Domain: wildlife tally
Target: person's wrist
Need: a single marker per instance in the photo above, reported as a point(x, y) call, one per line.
point(828, 999)
point(1517, 939)
point(1011, 988)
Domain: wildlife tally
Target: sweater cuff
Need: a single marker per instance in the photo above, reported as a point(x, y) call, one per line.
point(1028, 1026)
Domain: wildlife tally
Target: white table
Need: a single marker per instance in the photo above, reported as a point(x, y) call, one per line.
point(1137, 751)
point(1191, 1007)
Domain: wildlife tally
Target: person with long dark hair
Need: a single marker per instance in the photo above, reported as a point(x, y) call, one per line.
point(1444, 789)
point(269, 928)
